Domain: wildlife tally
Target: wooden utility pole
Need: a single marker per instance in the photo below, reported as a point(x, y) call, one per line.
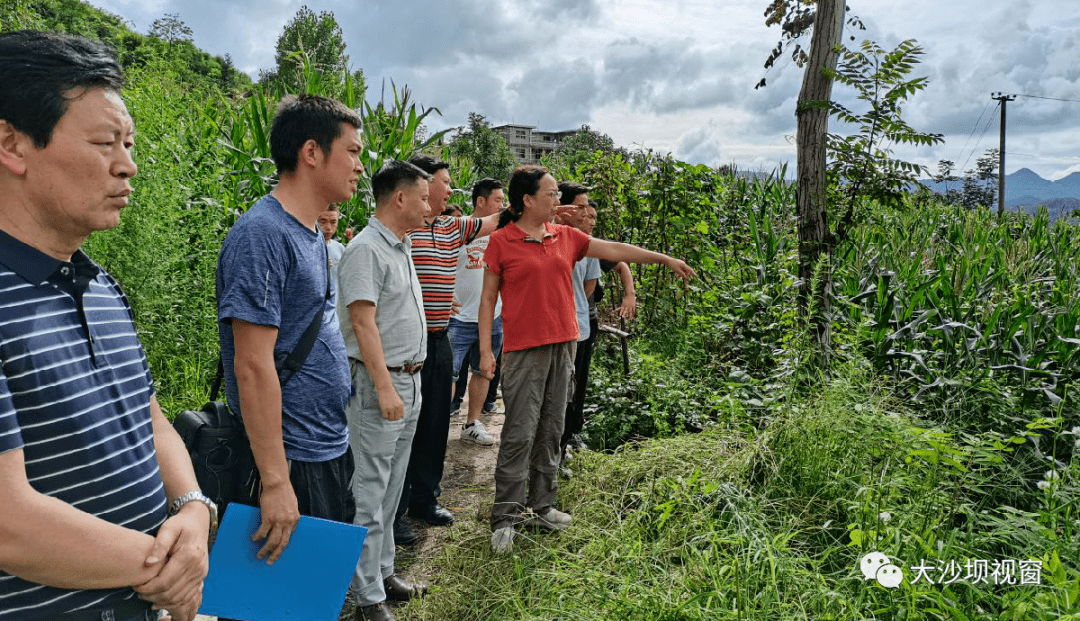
point(812, 114)
point(1002, 99)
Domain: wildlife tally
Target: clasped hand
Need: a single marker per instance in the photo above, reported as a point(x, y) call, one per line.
point(181, 543)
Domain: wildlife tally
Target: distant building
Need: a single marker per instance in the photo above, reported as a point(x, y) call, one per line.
point(528, 144)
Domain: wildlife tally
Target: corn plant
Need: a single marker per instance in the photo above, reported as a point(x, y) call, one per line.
point(391, 131)
point(951, 302)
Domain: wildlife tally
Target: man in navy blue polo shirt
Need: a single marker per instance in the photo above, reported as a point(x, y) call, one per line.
point(90, 469)
point(271, 283)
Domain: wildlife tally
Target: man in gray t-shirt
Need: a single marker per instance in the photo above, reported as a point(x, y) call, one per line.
point(381, 309)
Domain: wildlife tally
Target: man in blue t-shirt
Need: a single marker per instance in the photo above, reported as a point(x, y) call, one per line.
point(100, 512)
point(271, 284)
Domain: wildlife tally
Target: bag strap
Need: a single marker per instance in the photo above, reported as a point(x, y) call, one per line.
point(298, 355)
point(215, 388)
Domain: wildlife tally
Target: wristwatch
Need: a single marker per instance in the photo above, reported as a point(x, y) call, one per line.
point(197, 496)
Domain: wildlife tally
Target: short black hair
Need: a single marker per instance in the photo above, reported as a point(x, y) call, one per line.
point(484, 187)
point(38, 71)
point(570, 191)
point(428, 164)
point(593, 204)
point(392, 176)
point(306, 117)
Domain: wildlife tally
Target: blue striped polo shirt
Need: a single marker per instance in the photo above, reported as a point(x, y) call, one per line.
point(75, 394)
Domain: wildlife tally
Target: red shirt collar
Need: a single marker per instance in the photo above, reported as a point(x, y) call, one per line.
point(519, 234)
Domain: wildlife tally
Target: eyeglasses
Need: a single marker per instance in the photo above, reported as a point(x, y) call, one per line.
point(555, 194)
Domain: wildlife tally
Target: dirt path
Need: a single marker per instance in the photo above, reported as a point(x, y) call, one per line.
point(468, 489)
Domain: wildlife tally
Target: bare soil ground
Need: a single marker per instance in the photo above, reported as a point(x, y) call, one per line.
point(468, 490)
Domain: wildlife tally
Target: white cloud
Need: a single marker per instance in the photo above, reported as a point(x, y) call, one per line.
point(667, 73)
point(1065, 173)
point(699, 146)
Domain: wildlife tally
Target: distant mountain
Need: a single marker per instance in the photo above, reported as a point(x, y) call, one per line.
point(1070, 183)
point(1027, 190)
point(1055, 207)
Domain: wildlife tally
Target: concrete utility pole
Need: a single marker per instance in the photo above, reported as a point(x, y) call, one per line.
point(1003, 99)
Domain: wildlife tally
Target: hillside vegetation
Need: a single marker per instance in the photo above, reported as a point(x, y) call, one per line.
point(735, 477)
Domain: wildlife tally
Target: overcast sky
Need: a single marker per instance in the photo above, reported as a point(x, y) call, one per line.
point(679, 75)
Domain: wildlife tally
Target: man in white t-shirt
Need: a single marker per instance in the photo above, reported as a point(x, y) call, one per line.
point(488, 198)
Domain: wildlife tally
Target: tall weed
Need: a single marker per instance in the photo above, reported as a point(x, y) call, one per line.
point(164, 252)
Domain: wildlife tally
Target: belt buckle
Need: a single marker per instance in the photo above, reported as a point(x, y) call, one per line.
point(411, 367)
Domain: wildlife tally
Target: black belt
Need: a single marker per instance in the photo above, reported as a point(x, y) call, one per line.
point(411, 369)
point(122, 610)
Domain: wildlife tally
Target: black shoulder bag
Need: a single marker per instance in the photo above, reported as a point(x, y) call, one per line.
point(215, 437)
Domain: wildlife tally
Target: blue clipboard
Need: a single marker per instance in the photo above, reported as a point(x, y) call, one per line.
point(309, 581)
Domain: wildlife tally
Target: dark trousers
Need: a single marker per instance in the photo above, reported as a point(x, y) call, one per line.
point(432, 426)
point(494, 386)
point(131, 610)
point(323, 489)
point(461, 386)
point(575, 406)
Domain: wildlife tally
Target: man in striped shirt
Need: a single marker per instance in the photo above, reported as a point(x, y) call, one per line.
point(435, 254)
point(88, 463)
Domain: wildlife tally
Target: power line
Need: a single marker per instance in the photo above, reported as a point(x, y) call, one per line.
point(1049, 98)
point(1046, 157)
point(973, 128)
point(989, 121)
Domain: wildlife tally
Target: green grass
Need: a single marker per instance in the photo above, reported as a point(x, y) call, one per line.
point(730, 524)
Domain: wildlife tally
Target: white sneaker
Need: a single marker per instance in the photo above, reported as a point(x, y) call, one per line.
point(553, 519)
point(502, 540)
point(475, 432)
